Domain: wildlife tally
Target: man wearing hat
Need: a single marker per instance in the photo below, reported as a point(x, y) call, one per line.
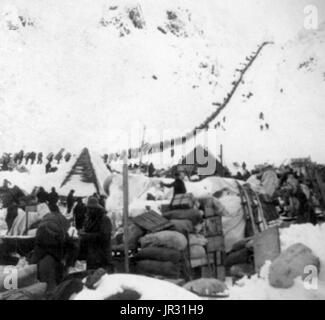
point(96, 236)
point(178, 184)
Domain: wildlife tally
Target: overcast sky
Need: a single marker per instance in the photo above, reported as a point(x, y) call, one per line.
point(284, 18)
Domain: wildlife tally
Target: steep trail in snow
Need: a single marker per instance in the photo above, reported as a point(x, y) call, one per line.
point(157, 147)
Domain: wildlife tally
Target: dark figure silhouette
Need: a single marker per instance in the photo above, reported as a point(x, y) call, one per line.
point(261, 116)
point(40, 158)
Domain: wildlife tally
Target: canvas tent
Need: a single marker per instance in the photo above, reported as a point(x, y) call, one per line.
point(198, 159)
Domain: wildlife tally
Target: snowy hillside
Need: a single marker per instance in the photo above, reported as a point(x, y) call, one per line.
point(92, 73)
point(95, 70)
point(287, 85)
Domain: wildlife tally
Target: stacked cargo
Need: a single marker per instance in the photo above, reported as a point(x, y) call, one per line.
point(166, 252)
point(212, 229)
point(184, 238)
point(187, 218)
point(163, 254)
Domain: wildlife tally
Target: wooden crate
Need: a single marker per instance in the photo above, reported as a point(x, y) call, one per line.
point(215, 243)
point(221, 273)
point(213, 226)
point(183, 201)
point(165, 207)
point(152, 221)
point(266, 246)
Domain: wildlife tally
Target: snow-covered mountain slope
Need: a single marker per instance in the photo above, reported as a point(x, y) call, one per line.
point(91, 73)
point(287, 85)
point(82, 69)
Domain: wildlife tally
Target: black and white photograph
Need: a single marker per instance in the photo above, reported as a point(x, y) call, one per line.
point(166, 150)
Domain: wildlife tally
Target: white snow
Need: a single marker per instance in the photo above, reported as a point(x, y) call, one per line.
point(258, 288)
point(149, 288)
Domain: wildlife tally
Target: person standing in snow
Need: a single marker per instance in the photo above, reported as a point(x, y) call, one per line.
point(95, 237)
point(50, 157)
point(32, 157)
point(52, 250)
point(53, 200)
point(151, 170)
point(178, 184)
point(42, 196)
point(261, 116)
point(79, 214)
point(48, 167)
point(70, 201)
point(67, 157)
point(12, 213)
point(40, 158)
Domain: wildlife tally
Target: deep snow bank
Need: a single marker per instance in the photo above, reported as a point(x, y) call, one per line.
point(258, 288)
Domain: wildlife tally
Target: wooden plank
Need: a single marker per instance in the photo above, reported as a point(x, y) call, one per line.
point(266, 246)
point(213, 226)
point(126, 214)
point(215, 243)
point(152, 222)
point(221, 273)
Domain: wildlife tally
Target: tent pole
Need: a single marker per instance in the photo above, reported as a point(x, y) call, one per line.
point(126, 213)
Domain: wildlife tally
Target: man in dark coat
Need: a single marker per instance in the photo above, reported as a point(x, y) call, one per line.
point(51, 249)
point(70, 201)
point(32, 157)
point(40, 158)
point(53, 199)
point(151, 170)
point(178, 184)
point(67, 157)
point(12, 213)
point(48, 167)
point(42, 195)
point(79, 213)
point(96, 236)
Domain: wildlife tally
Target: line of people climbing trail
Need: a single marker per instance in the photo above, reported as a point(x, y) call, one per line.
point(9, 161)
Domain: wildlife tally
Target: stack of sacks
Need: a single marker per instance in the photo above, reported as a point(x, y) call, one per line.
point(134, 234)
point(162, 254)
point(184, 220)
point(197, 244)
point(20, 283)
point(188, 222)
point(3, 224)
point(213, 207)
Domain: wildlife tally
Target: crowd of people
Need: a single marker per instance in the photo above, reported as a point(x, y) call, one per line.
point(73, 229)
point(8, 161)
point(78, 230)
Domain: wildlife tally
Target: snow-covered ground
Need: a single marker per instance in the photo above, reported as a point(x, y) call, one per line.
point(258, 288)
point(147, 288)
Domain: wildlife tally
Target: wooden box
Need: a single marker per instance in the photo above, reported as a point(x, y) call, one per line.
point(215, 243)
point(213, 226)
point(183, 201)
